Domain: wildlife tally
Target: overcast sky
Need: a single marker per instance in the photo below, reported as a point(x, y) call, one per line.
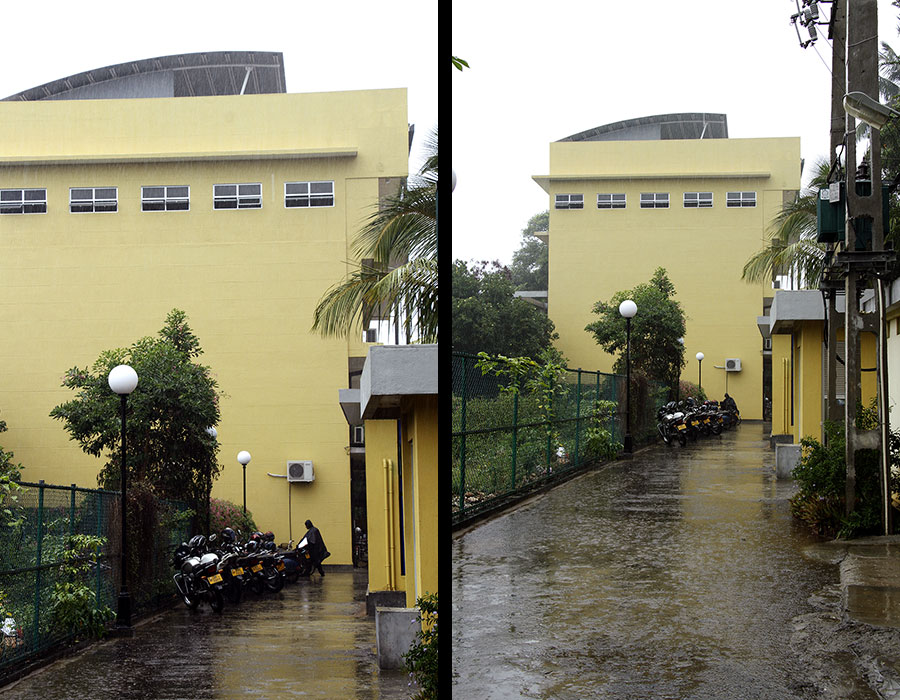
point(327, 46)
point(539, 75)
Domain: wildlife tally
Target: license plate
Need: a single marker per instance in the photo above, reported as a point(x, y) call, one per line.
point(237, 572)
point(256, 569)
point(215, 578)
point(681, 426)
point(306, 555)
point(280, 566)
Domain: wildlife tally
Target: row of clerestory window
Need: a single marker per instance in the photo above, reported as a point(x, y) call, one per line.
point(656, 200)
point(243, 195)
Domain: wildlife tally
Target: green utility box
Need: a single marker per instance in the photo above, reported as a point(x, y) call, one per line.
point(830, 219)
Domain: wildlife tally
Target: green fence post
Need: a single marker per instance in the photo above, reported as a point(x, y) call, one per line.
point(36, 634)
point(72, 513)
point(515, 435)
point(462, 441)
point(578, 420)
point(99, 511)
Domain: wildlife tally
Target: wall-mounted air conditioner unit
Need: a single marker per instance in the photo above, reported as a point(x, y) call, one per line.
point(732, 365)
point(300, 470)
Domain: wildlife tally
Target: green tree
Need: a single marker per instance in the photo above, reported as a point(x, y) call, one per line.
point(397, 263)
point(655, 329)
point(792, 248)
point(10, 472)
point(176, 400)
point(488, 318)
point(529, 268)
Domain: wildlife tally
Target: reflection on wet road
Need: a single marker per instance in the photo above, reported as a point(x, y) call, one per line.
point(673, 575)
point(312, 640)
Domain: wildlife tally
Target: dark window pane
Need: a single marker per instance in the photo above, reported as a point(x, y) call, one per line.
point(10, 208)
point(224, 190)
point(36, 208)
point(225, 204)
point(78, 207)
point(177, 191)
point(105, 206)
point(249, 189)
point(10, 195)
point(81, 194)
point(105, 193)
point(321, 187)
point(152, 205)
point(323, 202)
point(153, 192)
point(177, 205)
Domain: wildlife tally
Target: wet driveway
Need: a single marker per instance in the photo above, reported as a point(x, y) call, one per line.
point(673, 575)
point(311, 640)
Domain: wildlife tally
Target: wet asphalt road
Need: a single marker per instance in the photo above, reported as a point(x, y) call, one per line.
point(311, 640)
point(673, 575)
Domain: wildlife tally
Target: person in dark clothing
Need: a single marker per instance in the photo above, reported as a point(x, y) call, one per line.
point(728, 404)
point(317, 550)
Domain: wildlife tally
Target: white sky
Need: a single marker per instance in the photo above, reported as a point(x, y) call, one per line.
point(327, 46)
point(540, 73)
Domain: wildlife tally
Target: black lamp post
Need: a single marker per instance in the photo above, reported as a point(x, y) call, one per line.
point(627, 309)
point(700, 357)
point(244, 458)
point(123, 380)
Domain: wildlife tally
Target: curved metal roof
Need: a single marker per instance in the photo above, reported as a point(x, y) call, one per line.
point(661, 127)
point(180, 75)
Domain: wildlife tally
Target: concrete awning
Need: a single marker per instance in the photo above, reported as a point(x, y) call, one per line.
point(392, 372)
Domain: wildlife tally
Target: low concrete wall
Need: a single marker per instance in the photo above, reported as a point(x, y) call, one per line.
point(395, 632)
point(786, 458)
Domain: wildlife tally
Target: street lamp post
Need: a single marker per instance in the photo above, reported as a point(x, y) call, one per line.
point(213, 434)
point(244, 458)
point(700, 357)
point(123, 380)
point(627, 309)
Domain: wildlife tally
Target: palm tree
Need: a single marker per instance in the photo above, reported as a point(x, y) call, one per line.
point(792, 248)
point(397, 250)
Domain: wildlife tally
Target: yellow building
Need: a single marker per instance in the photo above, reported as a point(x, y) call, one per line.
point(669, 191)
point(797, 325)
point(237, 208)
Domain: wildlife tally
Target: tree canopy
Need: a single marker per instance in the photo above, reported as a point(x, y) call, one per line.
point(655, 330)
point(530, 263)
point(396, 267)
point(488, 318)
point(175, 402)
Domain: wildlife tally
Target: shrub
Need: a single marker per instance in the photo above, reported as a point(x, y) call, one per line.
point(74, 608)
point(224, 514)
point(422, 658)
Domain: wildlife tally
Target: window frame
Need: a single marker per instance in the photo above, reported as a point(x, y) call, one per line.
point(95, 201)
point(741, 201)
point(309, 195)
point(657, 202)
point(570, 203)
point(237, 196)
point(22, 203)
point(166, 198)
point(700, 201)
point(612, 203)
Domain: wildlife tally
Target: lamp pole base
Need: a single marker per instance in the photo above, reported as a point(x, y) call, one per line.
point(123, 614)
point(628, 447)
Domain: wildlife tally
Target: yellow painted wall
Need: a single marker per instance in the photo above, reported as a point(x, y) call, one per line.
point(595, 253)
point(424, 488)
point(803, 372)
point(893, 352)
point(383, 517)
point(73, 285)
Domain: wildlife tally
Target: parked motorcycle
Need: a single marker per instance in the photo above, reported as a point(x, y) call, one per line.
point(197, 576)
point(670, 424)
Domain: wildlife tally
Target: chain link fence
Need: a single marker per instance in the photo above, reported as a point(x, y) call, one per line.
point(505, 445)
point(33, 574)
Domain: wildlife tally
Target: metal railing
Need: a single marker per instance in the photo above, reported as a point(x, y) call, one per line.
point(504, 446)
point(32, 562)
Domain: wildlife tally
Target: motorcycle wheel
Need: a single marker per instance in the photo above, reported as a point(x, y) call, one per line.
point(304, 567)
point(682, 439)
point(235, 592)
point(257, 585)
point(191, 601)
point(292, 576)
point(274, 580)
point(216, 601)
point(716, 429)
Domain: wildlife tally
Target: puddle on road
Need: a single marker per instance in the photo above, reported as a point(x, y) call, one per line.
point(676, 574)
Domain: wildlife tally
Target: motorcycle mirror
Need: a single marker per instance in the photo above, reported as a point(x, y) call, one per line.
point(212, 537)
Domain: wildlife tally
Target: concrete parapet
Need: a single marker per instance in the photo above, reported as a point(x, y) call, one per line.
point(786, 458)
point(395, 632)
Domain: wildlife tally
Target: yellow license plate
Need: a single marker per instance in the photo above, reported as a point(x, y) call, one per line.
point(215, 578)
point(681, 426)
point(306, 555)
point(280, 566)
point(256, 569)
point(237, 572)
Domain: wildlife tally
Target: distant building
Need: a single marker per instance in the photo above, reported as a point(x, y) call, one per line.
point(669, 191)
point(214, 191)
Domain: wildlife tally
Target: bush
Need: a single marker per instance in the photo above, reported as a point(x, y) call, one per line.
point(224, 514)
point(821, 477)
point(422, 658)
